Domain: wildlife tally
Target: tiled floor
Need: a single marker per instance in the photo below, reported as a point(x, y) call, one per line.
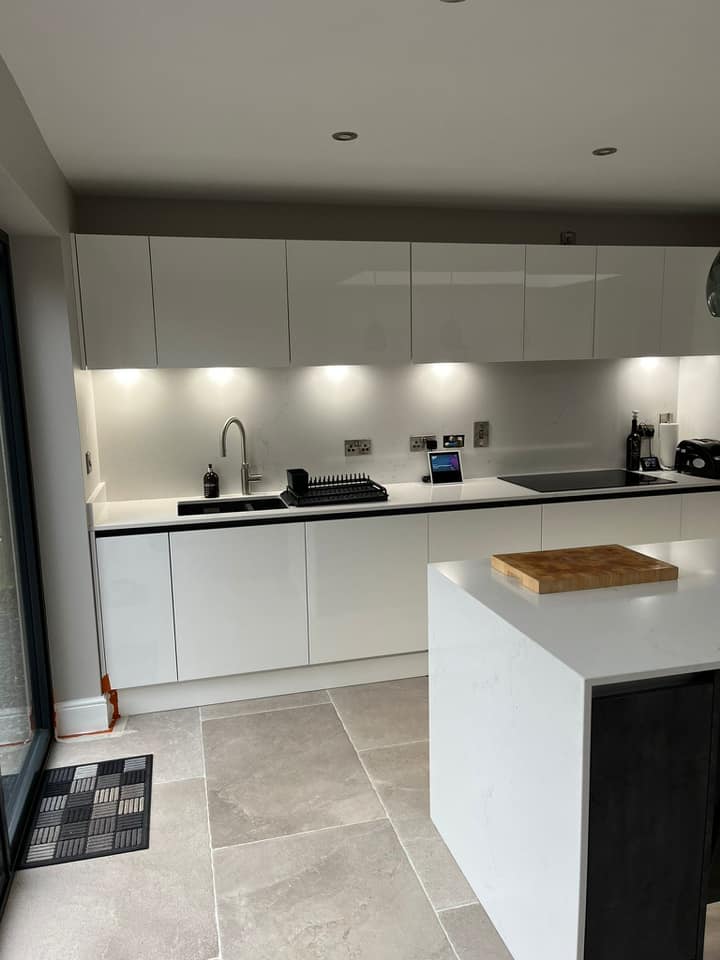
point(291, 828)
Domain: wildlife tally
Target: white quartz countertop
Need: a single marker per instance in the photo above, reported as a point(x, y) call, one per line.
point(618, 633)
point(129, 514)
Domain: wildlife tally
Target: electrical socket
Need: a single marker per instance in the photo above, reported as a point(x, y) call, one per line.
point(358, 448)
point(481, 433)
point(419, 444)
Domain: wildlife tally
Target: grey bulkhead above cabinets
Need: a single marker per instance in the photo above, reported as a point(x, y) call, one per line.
point(193, 302)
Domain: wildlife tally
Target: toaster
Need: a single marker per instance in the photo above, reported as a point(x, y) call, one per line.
point(699, 457)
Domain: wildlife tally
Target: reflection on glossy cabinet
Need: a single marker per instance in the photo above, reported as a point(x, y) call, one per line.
point(688, 328)
point(220, 302)
point(367, 592)
point(240, 602)
point(559, 302)
point(467, 302)
point(628, 301)
point(116, 300)
point(648, 519)
point(478, 534)
point(137, 612)
point(701, 516)
point(349, 302)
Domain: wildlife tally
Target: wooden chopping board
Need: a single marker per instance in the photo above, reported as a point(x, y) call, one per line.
point(583, 568)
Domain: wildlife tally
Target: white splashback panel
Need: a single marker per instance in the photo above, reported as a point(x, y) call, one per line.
point(158, 429)
point(699, 397)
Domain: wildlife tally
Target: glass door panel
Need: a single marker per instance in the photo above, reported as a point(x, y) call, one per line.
point(25, 698)
point(16, 715)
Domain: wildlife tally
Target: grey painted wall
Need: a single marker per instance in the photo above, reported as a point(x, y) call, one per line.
point(45, 344)
point(230, 218)
point(34, 196)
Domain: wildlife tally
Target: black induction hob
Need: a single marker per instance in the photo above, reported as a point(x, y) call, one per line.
point(583, 480)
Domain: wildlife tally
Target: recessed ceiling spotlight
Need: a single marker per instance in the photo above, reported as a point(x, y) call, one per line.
point(604, 151)
point(345, 136)
point(453, 1)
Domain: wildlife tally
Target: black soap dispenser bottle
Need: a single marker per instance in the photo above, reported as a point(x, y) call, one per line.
point(211, 483)
point(633, 445)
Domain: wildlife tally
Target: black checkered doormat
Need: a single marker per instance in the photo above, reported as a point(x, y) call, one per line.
point(92, 810)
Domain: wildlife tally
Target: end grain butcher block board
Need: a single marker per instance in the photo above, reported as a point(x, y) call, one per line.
point(583, 568)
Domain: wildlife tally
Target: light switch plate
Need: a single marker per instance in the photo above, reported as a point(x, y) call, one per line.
point(481, 433)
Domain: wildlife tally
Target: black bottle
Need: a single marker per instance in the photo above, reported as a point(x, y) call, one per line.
point(211, 483)
point(634, 442)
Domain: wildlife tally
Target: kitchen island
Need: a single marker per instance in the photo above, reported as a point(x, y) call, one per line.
point(573, 742)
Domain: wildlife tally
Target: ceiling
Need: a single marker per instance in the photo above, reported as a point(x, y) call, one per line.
point(483, 102)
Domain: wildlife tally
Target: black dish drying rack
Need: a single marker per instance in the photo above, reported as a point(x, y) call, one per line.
point(334, 489)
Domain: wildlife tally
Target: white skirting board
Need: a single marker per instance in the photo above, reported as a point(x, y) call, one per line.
point(272, 683)
point(89, 715)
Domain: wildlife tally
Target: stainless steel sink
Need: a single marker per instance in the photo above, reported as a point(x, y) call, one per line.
point(187, 508)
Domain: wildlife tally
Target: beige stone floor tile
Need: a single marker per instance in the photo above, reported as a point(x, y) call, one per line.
point(155, 903)
point(340, 894)
point(173, 737)
point(472, 934)
point(283, 772)
point(381, 714)
point(240, 708)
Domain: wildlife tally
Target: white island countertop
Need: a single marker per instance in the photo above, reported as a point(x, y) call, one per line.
point(108, 515)
point(619, 633)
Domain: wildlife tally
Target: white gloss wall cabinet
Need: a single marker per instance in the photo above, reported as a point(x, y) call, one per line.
point(478, 534)
point(701, 516)
point(116, 301)
point(349, 302)
point(137, 609)
point(590, 523)
point(240, 603)
point(688, 329)
point(367, 593)
point(220, 302)
point(559, 302)
point(467, 302)
point(628, 301)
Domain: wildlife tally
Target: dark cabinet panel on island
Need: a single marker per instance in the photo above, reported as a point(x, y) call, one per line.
point(652, 787)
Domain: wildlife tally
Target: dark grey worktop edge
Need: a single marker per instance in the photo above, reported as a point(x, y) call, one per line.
point(296, 515)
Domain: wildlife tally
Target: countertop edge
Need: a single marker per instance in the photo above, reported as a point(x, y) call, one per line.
point(303, 515)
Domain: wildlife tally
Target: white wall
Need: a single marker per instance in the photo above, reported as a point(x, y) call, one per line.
point(47, 361)
point(157, 433)
point(699, 397)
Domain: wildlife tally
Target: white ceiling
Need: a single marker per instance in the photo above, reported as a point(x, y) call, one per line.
point(484, 102)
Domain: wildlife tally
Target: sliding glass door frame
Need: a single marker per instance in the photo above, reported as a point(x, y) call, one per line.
point(29, 574)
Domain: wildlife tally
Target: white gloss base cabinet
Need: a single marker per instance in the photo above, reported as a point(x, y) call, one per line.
point(559, 302)
point(137, 609)
point(220, 301)
point(700, 516)
point(349, 302)
point(467, 302)
point(627, 521)
point(367, 593)
point(240, 603)
point(478, 534)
